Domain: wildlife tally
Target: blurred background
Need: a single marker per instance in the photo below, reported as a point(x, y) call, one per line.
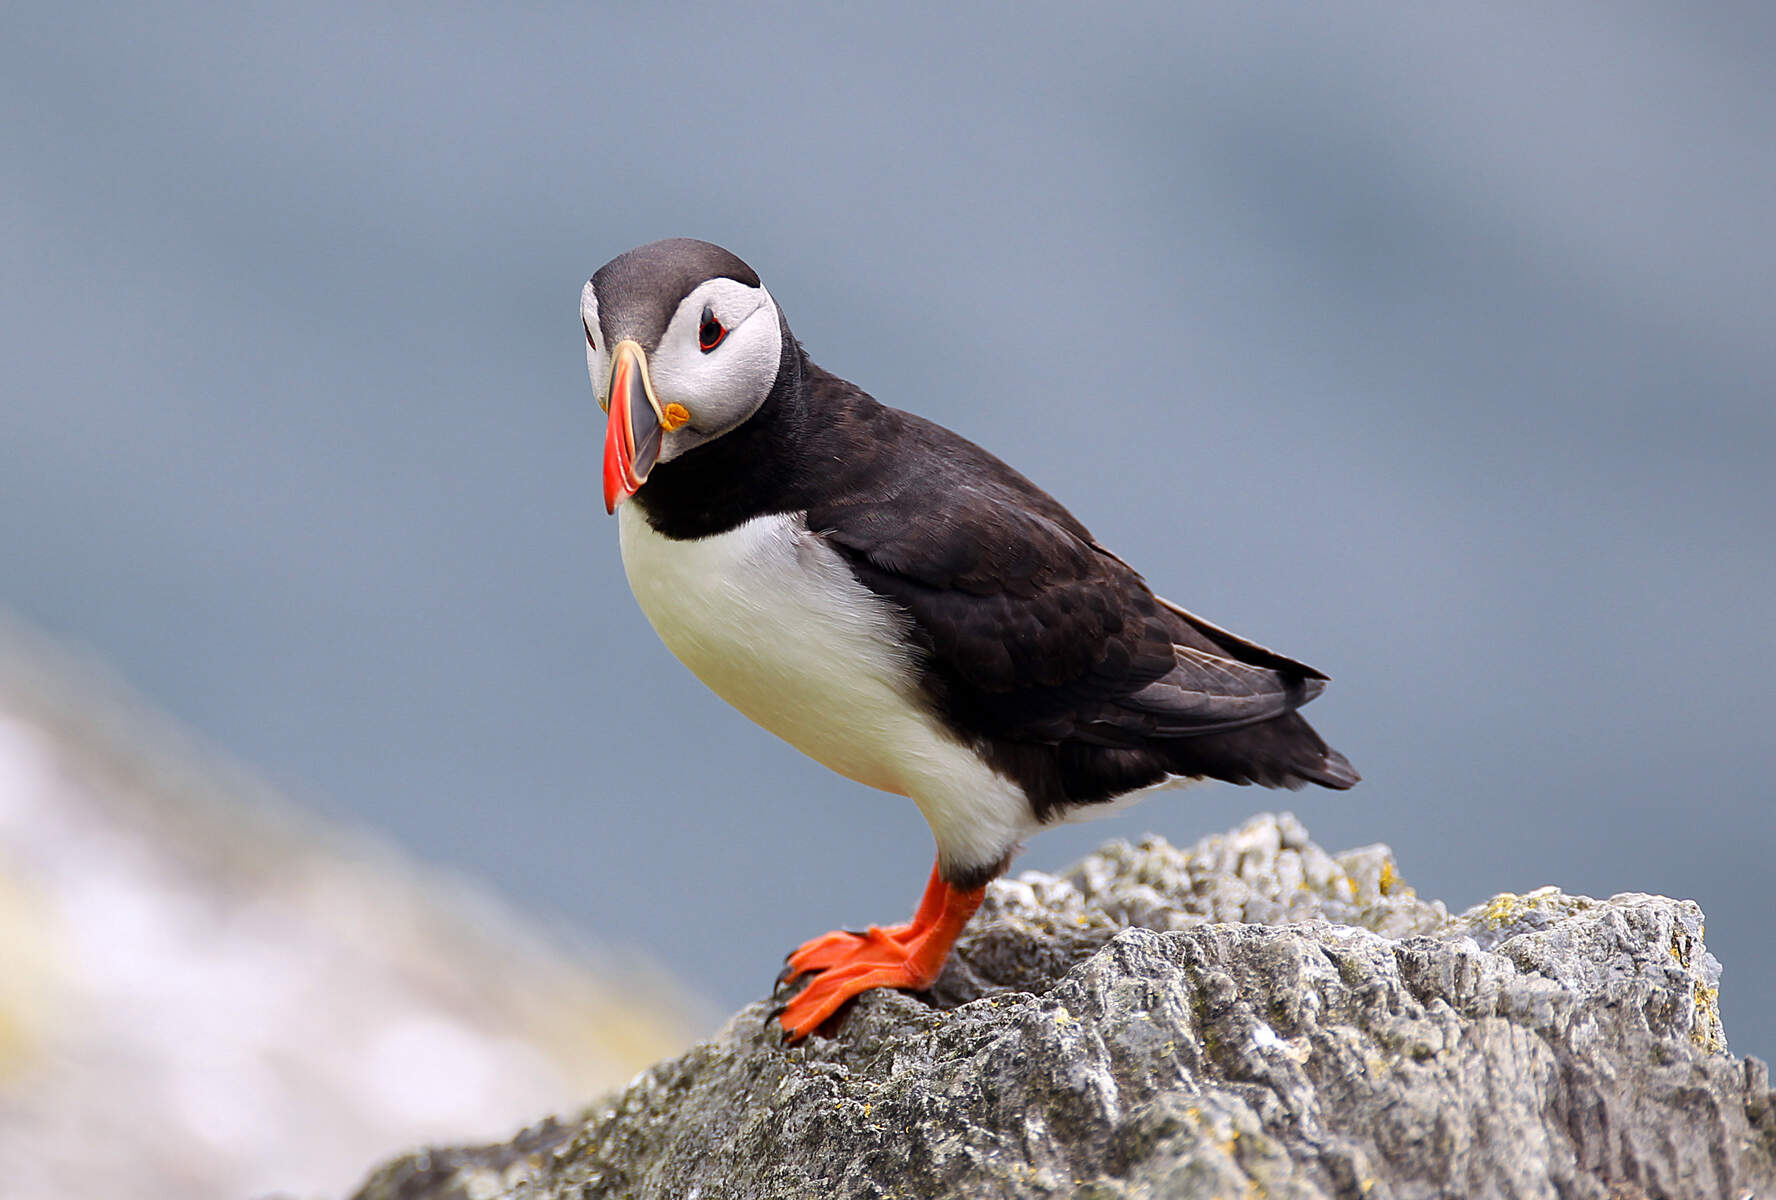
point(1439, 351)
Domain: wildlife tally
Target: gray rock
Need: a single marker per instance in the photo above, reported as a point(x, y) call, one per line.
point(1248, 1017)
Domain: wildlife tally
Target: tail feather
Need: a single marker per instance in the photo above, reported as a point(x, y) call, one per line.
point(1285, 752)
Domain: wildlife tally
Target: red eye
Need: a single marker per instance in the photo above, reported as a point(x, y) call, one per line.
point(590, 341)
point(710, 333)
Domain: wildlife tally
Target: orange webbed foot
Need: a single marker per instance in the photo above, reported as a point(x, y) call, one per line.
point(845, 964)
point(842, 945)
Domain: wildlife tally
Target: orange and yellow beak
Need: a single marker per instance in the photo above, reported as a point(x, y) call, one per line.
point(634, 425)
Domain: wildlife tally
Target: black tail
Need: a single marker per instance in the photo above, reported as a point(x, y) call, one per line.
point(1285, 752)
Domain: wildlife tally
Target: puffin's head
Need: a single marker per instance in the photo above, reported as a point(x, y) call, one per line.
point(683, 344)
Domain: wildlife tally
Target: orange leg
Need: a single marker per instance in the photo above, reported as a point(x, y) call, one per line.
point(901, 956)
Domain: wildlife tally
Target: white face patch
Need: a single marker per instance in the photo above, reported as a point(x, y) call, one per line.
point(597, 360)
point(723, 386)
point(719, 387)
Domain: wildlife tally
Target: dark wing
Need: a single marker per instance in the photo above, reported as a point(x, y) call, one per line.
point(1029, 630)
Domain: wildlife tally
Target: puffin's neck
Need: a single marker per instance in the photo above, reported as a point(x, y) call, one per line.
point(760, 466)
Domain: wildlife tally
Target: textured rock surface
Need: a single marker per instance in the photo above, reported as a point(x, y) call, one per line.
point(1251, 1016)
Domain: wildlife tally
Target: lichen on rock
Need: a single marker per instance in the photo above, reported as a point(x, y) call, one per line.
point(1251, 1016)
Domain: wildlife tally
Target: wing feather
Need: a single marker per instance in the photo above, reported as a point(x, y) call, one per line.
point(1029, 630)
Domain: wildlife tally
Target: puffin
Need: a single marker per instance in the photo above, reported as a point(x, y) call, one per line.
point(901, 606)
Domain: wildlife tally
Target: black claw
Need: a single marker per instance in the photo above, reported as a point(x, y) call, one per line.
point(784, 979)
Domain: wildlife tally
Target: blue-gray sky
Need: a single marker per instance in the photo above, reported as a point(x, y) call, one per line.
point(1431, 346)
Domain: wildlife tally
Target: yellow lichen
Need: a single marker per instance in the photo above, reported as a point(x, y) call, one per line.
point(1707, 1030)
point(1506, 907)
point(1390, 883)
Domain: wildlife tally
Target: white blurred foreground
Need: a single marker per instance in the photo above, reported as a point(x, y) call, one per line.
point(204, 994)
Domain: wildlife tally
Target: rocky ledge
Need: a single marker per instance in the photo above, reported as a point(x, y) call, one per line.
point(1251, 1016)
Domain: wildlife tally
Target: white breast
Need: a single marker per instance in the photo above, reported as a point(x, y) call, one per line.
point(774, 622)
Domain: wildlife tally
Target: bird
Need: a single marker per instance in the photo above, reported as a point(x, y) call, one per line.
point(901, 606)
